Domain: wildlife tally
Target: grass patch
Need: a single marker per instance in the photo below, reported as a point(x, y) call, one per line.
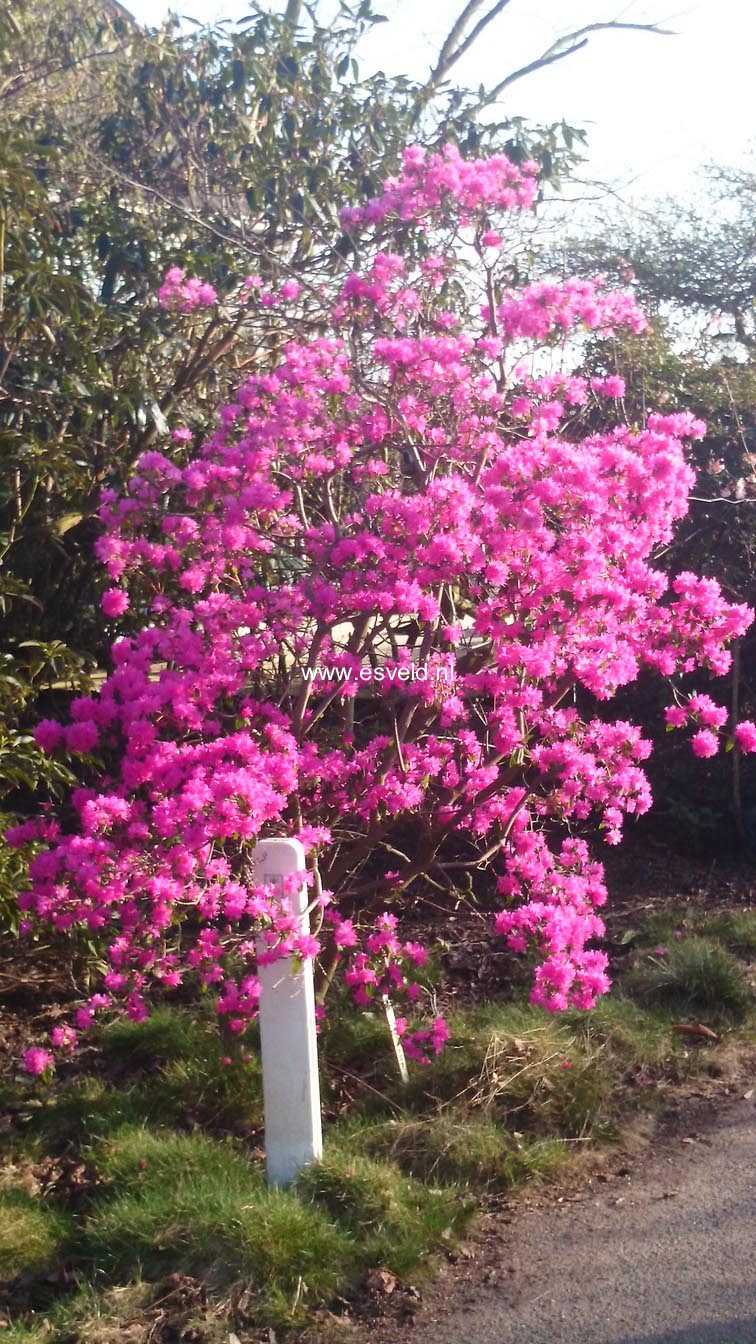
point(736, 931)
point(628, 1033)
point(33, 1238)
point(188, 1052)
point(470, 1152)
point(197, 1204)
point(173, 1137)
point(394, 1220)
point(167, 1071)
point(695, 975)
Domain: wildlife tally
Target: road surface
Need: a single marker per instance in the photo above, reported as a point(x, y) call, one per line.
point(664, 1256)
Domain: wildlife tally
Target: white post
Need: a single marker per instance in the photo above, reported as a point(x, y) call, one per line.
point(291, 1092)
point(396, 1040)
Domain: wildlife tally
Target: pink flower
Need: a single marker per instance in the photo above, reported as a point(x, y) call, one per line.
point(37, 1060)
point(676, 715)
point(115, 602)
point(63, 1038)
point(48, 734)
point(613, 386)
point(660, 950)
point(704, 743)
point(345, 934)
point(745, 735)
point(82, 737)
point(416, 953)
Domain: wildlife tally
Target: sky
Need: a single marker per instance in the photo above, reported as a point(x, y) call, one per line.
point(656, 109)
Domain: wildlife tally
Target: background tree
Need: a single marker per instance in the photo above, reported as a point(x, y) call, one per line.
point(694, 270)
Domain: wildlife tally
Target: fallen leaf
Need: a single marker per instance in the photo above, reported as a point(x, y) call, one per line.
point(381, 1280)
point(696, 1029)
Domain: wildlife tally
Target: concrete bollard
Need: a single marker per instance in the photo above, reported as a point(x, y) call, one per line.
point(291, 1090)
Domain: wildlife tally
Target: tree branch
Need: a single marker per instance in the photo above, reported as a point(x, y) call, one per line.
point(293, 13)
point(567, 46)
point(456, 43)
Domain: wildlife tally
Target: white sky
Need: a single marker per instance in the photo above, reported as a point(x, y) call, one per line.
point(656, 108)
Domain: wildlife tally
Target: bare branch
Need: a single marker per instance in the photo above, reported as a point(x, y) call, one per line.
point(472, 37)
point(456, 32)
point(567, 46)
point(532, 66)
point(446, 56)
point(293, 13)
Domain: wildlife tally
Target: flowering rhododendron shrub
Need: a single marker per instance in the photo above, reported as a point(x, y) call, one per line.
point(383, 608)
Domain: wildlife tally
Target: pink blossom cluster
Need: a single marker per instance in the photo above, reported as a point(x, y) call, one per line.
point(389, 492)
point(424, 1042)
point(538, 311)
point(709, 719)
point(430, 183)
point(184, 293)
point(37, 1061)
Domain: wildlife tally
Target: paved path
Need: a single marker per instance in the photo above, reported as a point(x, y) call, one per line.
point(666, 1257)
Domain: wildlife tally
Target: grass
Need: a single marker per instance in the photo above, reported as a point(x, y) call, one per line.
point(695, 975)
point(170, 1138)
point(394, 1219)
point(33, 1238)
point(165, 1071)
point(735, 930)
point(191, 1203)
point(472, 1152)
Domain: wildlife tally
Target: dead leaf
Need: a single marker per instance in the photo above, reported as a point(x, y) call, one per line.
point(696, 1029)
point(329, 1318)
point(381, 1280)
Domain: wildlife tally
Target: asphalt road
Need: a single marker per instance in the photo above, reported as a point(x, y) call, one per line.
point(666, 1257)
